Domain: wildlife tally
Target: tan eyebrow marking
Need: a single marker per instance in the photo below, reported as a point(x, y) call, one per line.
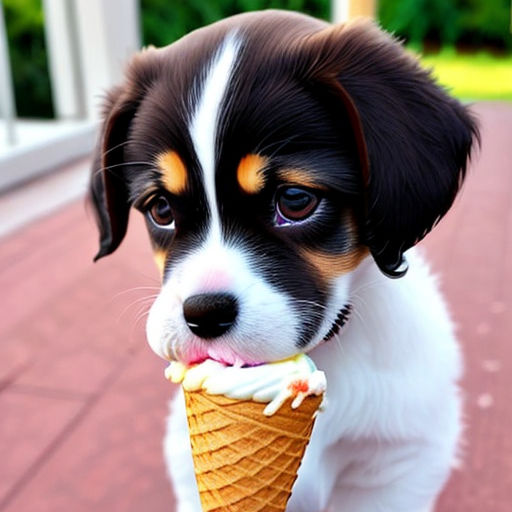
point(174, 172)
point(250, 173)
point(160, 256)
point(299, 177)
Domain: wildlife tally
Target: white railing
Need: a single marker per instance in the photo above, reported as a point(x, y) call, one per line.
point(7, 108)
point(88, 42)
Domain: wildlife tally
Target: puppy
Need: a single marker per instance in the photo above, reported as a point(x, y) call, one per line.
point(284, 166)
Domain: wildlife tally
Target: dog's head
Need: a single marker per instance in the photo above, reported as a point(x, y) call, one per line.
point(270, 153)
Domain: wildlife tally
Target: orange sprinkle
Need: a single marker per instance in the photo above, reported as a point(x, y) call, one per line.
point(299, 386)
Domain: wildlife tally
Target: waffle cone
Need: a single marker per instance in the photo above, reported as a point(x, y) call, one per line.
point(245, 461)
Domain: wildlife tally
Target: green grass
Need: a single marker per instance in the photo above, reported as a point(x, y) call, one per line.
point(479, 76)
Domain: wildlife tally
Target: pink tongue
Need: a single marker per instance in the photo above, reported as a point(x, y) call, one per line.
point(226, 356)
point(221, 354)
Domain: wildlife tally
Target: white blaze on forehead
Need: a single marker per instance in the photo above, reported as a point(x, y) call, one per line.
point(204, 123)
point(216, 266)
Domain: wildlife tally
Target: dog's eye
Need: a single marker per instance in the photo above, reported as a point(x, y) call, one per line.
point(161, 212)
point(294, 204)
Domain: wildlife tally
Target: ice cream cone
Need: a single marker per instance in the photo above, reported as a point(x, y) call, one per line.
point(244, 460)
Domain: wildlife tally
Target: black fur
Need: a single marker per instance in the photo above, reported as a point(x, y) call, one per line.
point(417, 139)
point(345, 102)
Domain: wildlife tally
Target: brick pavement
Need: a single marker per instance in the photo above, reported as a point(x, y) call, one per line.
point(82, 398)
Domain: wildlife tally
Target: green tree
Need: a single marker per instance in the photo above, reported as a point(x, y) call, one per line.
point(472, 22)
point(163, 21)
point(25, 33)
point(486, 22)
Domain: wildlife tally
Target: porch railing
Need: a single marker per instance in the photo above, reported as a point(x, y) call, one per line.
point(7, 108)
point(87, 42)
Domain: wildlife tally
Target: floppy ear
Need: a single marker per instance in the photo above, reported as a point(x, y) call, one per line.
point(108, 189)
point(413, 139)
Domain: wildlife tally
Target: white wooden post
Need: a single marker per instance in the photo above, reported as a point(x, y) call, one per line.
point(108, 33)
point(7, 105)
point(344, 10)
point(64, 59)
point(88, 44)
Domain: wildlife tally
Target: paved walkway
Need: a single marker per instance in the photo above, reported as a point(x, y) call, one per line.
point(82, 397)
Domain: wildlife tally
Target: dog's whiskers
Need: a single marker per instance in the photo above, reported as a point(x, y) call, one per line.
point(140, 316)
point(113, 148)
point(312, 303)
point(136, 142)
point(150, 166)
point(135, 289)
point(282, 143)
point(144, 301)
point(365, 286)
point(356, 310)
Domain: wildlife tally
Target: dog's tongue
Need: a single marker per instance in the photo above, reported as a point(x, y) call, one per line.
point(227, 357)
point(221, 354)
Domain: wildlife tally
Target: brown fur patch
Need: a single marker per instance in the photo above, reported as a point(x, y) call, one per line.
point(299, 177)
point(160, 256)
point(174, 172)
point(249, 173)
point(330, 266)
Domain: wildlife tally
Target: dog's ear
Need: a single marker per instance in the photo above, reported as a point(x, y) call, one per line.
point(413, 139)
point(108, 189)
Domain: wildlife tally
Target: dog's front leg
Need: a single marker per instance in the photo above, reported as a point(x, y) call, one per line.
point(178, 457)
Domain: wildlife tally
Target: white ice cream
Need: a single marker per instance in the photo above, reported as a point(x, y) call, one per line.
point(271, 383)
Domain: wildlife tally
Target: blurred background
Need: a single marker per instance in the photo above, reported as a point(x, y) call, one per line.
point(82, 398)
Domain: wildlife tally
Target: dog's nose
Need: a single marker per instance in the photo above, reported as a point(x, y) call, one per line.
point(209, 315)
